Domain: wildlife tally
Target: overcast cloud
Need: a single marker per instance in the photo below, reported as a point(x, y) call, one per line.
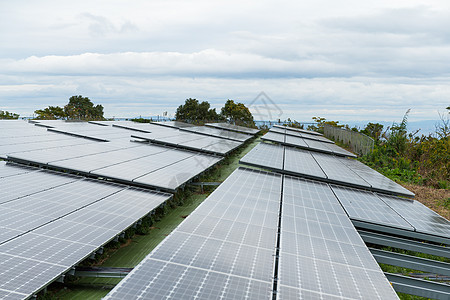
point(343, 60)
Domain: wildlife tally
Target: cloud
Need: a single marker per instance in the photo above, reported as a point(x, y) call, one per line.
point(341, 60)
point(208, 62)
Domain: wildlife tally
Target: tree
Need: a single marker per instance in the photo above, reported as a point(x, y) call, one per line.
point(237, 113)
point(50, 113)
point(8, 115)
point(81, 108)
point(373, 130)
point(319, 127)
point(195, 112)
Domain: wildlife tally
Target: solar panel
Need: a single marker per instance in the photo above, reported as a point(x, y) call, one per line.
point(265, 155)
point(220, 250)
point(173, 176)
point(366, 206)
point(376, 180)
point(321, 253)
point(89, 163)
point(299, 134)
point(276, 135)
point(15, 187)
point(295, 141)
point(192, 141)
point(173, 124)
point(297, 161)
point(273, 137)
point(418, 215)
point(129, 170)
point(338, 172)
point(221, 133)
point(232, 127)
point(10, 169)
point(297, 129)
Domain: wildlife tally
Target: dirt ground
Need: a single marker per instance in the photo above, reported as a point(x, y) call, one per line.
point(436, 199)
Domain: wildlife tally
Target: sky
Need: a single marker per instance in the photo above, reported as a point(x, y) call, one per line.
point(347, 60)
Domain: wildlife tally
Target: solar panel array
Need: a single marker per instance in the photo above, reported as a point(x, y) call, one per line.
point(227, 247)
point(324, 167)
point(307, 144)
point(106, 151)
point(232, 127)
point(50, 222)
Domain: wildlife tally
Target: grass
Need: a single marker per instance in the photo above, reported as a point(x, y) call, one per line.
point(136, 249)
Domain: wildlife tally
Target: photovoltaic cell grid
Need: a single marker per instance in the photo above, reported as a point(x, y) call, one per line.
point(225, 248)
point(174, 124)
point(419, 216)
point(146, 165)
point(86, 130)
point(221, 133)
point(307, 144)
point(297, 129)
point(45, 232)
point(304, 135)
point(323, 167)
point(366, 206)
point(19, 136)
point(235, 128)
point(376, 180)
point(297, 161)
point(321, 253)
point(191, 141)
point(265, 155)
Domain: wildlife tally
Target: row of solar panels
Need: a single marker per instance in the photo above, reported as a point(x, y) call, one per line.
point(50, 222)
point(312, 145)
point(259, 235)
point(145, 165)
point(324, 167)
point(20, 136)
point(106, 150)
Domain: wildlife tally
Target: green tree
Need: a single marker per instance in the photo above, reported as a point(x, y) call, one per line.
point(82, 108)
point(50, 113)
point(237, 113)
point(196, 112)
point(374, 130)
point(8, 115)
point(320, 124)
